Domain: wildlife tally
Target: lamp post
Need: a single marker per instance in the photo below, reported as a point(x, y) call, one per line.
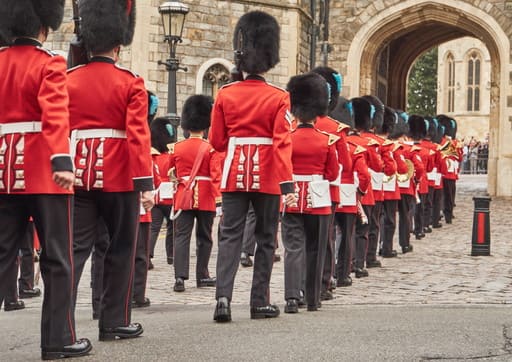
point(173, 18)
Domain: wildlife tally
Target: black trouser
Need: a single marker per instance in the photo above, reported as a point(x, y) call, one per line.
point(419, 215)
point(347, 224)
point(449, 199)
point(428, 208)
point(330, 252)
point(309, 233)
point(52, 219)
point(234, 207)
point(97, 261)
point(361, 243)
point(388, 225)
point(158, 214)
point(249, 241)
point(11, 295)
point(374, 231)
point(120, 213)
point(141, 262)
point(184, 225)
point(405, 205)
point(437, 203)
point(26, 279)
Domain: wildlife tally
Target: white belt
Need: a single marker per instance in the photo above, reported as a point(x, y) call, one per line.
point(20, 127)
point(307, 178)
point(239, 141)
point(82, 134)
point(197, 178)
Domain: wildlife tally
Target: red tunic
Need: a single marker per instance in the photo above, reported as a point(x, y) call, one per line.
point(182, 157)
point(428, 163)
point(161, 161)
point(314, 153)
point(330, 125)
point(256, 115)
point(104, 96)
point(34, 95)
point(396, 150)
point(451, 161)
point(411, 153)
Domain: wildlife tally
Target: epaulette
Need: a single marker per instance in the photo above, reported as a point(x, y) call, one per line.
point(47, 51)
point(154, 152)
point(277, 87)
point(332, 137)
point(388, 142)
point(431, 152)
point(372, 142)
point(75, 68)
point(341, 126)
point(229, 84)
point(170, 146)
point(397, 146)
point(415, 148)
point(126, 70)
point(4, 48)
point(359, 149)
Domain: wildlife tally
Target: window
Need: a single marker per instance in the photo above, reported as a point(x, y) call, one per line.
point(450, 62)
point(214, 78)
point(473, 90)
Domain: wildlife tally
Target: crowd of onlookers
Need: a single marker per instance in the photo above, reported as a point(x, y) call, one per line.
point(475, 156)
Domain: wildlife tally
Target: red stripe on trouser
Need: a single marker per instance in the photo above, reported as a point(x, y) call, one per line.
point(71, 261)
point(130, 281)
point(481, 228)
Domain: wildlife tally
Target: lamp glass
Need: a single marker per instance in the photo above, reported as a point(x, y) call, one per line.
point(173, 18)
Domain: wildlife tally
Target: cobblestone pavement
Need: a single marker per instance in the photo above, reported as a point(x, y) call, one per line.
point(440, 270)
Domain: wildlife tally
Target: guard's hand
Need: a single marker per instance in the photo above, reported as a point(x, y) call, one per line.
point(290, 200)
point(64, 179)
point(148, 200)
point(218, 211)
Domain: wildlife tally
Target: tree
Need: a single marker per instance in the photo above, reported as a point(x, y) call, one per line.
point(422, 92)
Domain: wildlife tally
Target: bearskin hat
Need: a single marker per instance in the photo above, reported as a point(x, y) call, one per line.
point(257, 33)
point(362, 113)
point(26, 17)
point(334, 80)
point(309, 96)
point(162, 133)
point(389, 121)
point(400, 129)
point(196, 113)
point(107, 24)
point(450, 125)
point(431, 127)
point(343, 112)
point(417, 127)
point(378, 114)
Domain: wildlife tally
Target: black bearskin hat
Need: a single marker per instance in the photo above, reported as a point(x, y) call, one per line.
point(258, 35)
point(107, 24)
point(162, 133)
point(439, 133)
point(389, 122)
point(309, 96)
point(362, 113)
point(417, 127)
point(26, 17)
point(431, 127)
point(378, 113)
point(343, 112)
point(400, 129)
point(333, 78)
point(449, 124)
point(196, 113)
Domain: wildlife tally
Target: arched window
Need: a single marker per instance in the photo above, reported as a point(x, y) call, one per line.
point(215, 77)
point(450, 69)
point(473, 90)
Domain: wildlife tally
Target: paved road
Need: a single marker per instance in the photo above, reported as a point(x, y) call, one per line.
point(435, 303)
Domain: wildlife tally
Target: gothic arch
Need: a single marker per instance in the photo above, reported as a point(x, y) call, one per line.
point(411, 27)
point(205, 66)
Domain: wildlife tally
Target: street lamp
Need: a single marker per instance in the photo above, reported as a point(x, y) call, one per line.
point(173, 18)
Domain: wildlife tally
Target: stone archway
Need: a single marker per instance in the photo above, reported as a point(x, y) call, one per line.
point(410, 28)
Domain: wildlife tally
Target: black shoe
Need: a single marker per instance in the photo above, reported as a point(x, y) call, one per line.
point(373, 264)
point(292, 306)
point(448, 221)
point(277, 258)
point(268, 311)
point(96, 316)
point(170, 260)
point(150, 265)
point(179, 285)
point(326, 295)
point(141, 304)
point(17, 305)
point(391, 254)
point(222, 311)
point(407, 249)
point(245, 260)
point(29, 293)
point(301, 302)
point(206, 282)
point(427, 230)
point(332, 284)
point(346, 282)
point(313, 308)
point(361, 273)
point(380, 252)
point(419, 236)
point(80, 348)
point(437, 226)
point(130, 331)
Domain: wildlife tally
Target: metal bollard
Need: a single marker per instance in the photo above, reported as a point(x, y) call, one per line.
point(481, 241)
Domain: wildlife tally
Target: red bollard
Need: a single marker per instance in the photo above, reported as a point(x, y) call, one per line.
point(481, 241)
